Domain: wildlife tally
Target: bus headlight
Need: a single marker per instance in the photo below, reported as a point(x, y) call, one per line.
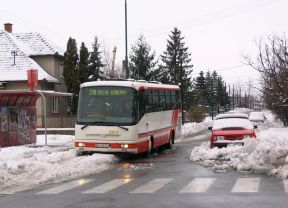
point(80, 144)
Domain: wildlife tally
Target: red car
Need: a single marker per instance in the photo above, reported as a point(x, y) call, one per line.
point(230, 129)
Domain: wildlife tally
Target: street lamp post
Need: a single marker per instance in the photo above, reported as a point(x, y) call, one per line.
point(126, 45)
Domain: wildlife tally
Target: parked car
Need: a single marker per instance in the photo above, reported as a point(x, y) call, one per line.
point(257, 117)
point(231, 129)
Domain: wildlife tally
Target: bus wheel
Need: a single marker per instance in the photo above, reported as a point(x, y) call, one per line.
point(149, 148)
point(171, 141)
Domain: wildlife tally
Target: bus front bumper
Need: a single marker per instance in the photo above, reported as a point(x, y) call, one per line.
point(121, 147)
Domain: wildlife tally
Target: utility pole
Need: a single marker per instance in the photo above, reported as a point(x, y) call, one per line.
point(233, 98)
point(240, 105)
point(181, 90)
point(113, 63)
point(229, 96)
point(212, 106)
point(126, 43)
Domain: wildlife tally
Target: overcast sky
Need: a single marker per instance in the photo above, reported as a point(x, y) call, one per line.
point(217, 32)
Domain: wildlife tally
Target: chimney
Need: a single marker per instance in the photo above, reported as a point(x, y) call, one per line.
point(8, 27)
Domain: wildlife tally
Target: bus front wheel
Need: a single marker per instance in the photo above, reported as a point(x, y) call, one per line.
point(149, 147)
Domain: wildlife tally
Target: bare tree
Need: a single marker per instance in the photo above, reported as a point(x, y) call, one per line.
point(272, 63)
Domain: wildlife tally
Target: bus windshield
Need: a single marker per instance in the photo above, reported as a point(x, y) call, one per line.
point(107, 105)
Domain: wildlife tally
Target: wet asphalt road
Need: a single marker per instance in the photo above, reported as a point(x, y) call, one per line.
point(158, 181)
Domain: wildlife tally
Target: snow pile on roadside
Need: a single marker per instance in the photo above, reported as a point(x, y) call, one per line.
point(192, 128)
point(267, 154)
point(24, 166)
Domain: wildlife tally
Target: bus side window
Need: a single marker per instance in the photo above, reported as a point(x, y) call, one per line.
point(143, 98)
point(178, 100)
point(156, 103)
point(173, 99)
point(147, 102)
point(162, 100)
point(169, 104)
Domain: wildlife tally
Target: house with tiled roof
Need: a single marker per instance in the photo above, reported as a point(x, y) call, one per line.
point(20, 52)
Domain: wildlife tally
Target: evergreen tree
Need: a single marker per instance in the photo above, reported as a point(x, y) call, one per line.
point(200, 89)
point(142, 61)
point(176, 65)
point(95, 63)
point(71, 73)
point(208, 88)
point(83, 64)
point(215, 88)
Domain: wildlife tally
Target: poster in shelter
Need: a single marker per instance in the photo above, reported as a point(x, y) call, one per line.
point(3, 119)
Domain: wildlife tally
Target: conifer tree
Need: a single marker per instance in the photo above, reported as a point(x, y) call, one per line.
point(200, 89)
point(83, 64)
point(142, 61)
point(71, 73)
point(95, 64)
point(176, 64)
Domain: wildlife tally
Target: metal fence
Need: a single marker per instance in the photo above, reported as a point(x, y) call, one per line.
point(56, 121)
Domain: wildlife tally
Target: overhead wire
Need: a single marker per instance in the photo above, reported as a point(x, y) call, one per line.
point(209, 17)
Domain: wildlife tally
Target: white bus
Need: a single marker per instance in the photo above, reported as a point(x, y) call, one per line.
point(127, 116)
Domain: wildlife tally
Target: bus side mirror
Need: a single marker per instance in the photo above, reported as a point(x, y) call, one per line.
point(255, 126)
point(210, 128)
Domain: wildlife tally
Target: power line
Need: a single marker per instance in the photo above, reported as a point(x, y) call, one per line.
point(226, 68)
point(212, 17)
point(197, 21)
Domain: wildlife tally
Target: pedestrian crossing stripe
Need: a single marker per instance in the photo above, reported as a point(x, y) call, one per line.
point(107, 186)
point(153, 185)
point(65, 186)
point(246, 185)
point(198, 185)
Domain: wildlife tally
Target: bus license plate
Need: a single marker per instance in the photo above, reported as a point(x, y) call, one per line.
point(102, 145)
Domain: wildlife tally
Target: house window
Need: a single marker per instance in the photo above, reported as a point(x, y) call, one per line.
point(55, 105)
point(61, 70)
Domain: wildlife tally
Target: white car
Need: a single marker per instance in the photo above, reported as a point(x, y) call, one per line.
point(231, 129)
point(257, 117)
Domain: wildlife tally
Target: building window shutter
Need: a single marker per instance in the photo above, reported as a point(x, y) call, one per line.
point(61, 71)
point(55, 104)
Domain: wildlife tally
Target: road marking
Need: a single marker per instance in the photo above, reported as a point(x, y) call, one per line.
point(286, 185)
point(108, 186)
point(246, 185)
point(65, 186)
point(14, 190)
point(198, 185)
point(153, 185)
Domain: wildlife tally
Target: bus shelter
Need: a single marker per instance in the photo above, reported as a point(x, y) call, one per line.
point(18, 116)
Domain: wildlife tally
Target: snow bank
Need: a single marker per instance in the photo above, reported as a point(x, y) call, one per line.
point(24, 166)
point(266, 154)
point(193, 128)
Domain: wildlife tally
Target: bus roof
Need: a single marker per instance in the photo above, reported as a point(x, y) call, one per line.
point(131, 83)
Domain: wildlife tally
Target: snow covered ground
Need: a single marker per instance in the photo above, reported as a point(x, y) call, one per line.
point(23, 167)
point(268, 153)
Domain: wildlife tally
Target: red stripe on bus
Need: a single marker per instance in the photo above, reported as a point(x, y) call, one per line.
point(148, 134)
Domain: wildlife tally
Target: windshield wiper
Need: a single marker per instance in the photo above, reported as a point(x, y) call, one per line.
point(83, 127)
point(95, 122)
point(122, 127)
